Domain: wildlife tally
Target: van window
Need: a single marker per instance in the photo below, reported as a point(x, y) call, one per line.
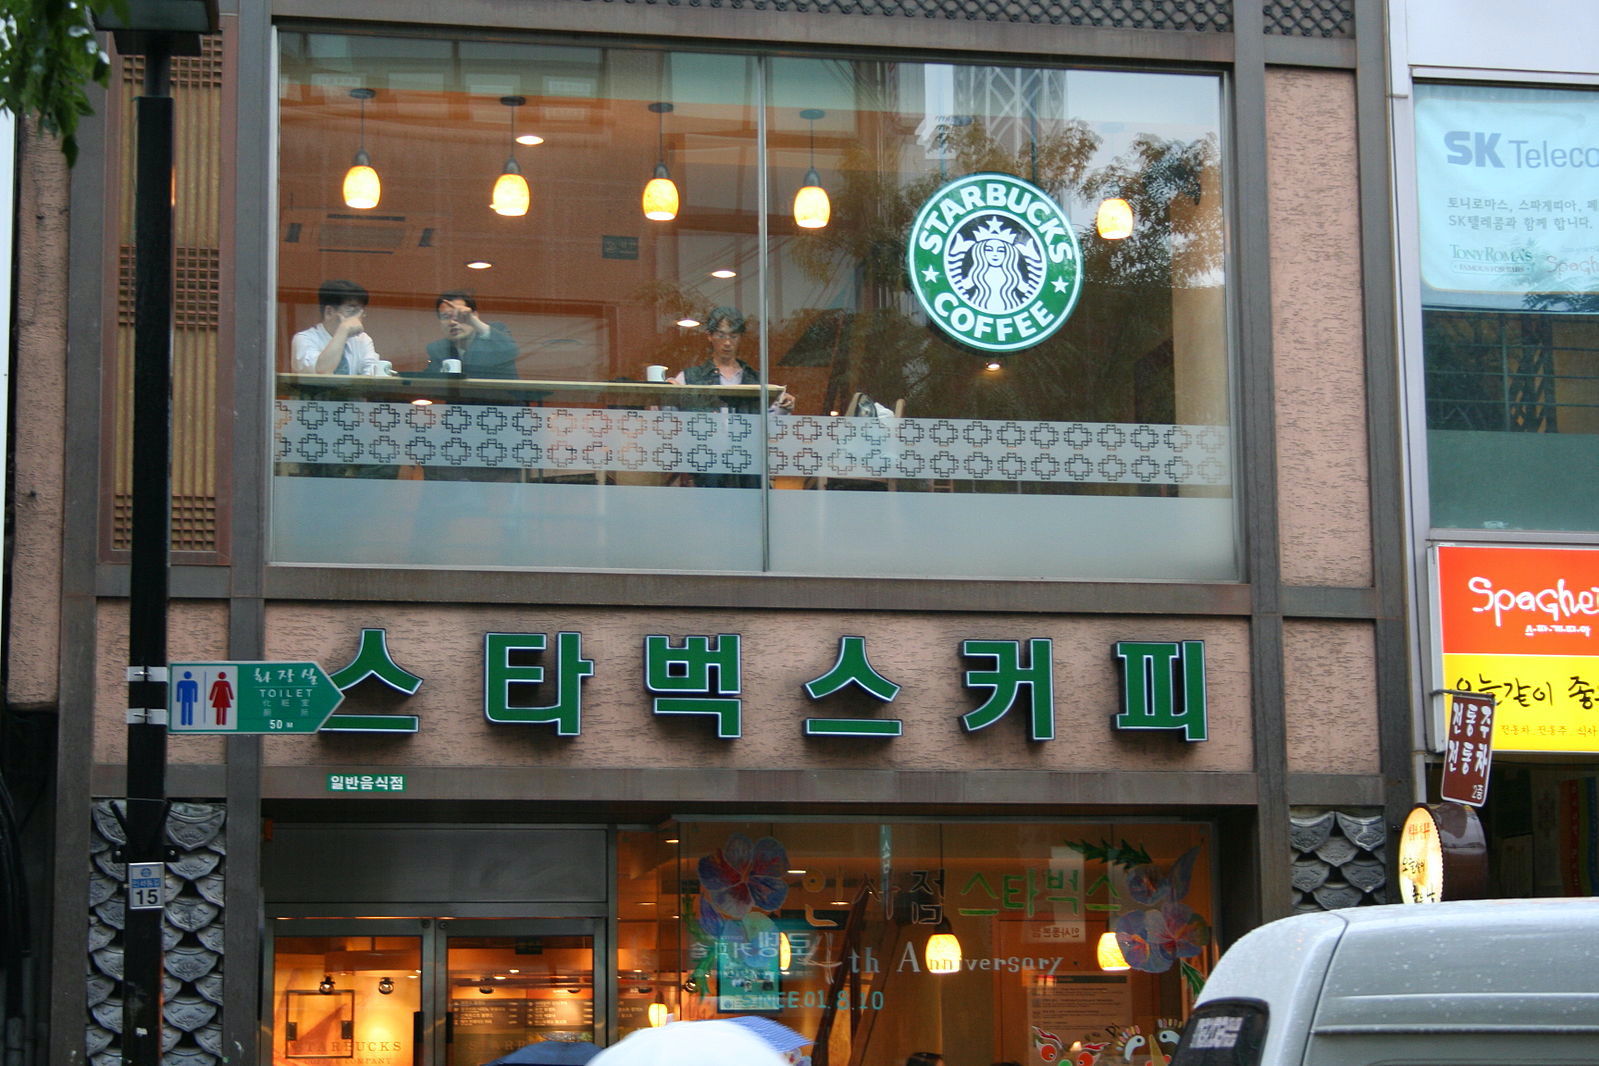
point(1228, 1032)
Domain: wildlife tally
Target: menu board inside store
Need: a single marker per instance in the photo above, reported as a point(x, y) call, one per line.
point(499, 1014)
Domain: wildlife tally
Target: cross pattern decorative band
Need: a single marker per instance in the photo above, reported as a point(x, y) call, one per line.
point(553, 439)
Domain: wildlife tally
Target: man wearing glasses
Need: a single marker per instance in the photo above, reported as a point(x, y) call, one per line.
point(481, 350)
point(485, 350)
point(725, 327)
point(339, 344)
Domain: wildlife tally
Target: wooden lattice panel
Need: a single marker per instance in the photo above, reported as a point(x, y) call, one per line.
point(196, 86)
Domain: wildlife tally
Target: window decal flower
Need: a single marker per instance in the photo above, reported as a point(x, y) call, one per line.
point(1151, 940)
point(741, 885)
point(742, 876)
point(1149, 883)
point(1167, 930)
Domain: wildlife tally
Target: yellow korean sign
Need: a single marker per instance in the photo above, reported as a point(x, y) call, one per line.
point(1522, 624)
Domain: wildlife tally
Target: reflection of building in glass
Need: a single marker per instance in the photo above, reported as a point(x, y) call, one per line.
point(1015, 106)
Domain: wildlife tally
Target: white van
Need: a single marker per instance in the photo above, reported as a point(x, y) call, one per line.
point(1481, 983)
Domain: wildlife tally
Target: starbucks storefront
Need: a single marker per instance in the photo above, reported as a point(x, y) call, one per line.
point(773, 507)
point(979, 940)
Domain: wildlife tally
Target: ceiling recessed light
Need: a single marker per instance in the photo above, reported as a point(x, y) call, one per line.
point(529, 139)
point(686, 323)
point(993, 365)
point(797, 872)
point(724, 273)
point(421, 401)
point(478, 264)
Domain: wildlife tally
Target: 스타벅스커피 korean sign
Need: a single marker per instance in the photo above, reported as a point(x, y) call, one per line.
point(538, 679)
point(1522, 625)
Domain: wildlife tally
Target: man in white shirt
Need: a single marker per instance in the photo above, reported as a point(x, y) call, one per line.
point(339, 344)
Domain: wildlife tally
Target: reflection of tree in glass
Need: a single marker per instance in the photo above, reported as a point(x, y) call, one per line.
point(1582, 303)
point(1492, 371)
point(677, 347)
point(1516, 371)
point(1113, 361)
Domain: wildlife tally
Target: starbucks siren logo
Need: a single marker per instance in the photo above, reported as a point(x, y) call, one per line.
point(994, 262)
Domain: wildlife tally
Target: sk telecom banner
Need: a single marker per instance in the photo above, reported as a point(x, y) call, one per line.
point(1508, 193)
point(1522, 624)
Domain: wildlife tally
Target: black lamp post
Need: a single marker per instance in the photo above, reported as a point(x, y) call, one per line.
point(158, 29)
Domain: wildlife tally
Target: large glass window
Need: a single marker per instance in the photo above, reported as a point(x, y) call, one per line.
point(340, 997)
point(439, 991)
point(981, 942)
point(750, 380)
point(1510, 292)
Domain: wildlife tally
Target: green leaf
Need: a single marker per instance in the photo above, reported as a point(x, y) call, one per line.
point(49, 55)
point(1124, 855)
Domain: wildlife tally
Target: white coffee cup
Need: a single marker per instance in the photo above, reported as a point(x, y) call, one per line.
point(655, 372)
point(451, 366)
point(381, 369)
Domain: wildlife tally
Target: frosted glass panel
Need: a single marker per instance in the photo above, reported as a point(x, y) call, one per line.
point(1016, 536)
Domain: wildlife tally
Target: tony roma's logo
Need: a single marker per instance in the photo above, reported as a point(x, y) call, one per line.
point(994, 262)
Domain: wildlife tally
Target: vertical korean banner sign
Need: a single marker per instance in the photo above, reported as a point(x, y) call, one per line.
point(1506, 195)
point(1523, 625)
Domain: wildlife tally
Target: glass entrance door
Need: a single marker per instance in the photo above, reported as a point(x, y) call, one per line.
point(506, 987)
point(429, 992)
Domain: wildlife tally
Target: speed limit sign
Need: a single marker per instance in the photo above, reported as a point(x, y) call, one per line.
point(145, 891)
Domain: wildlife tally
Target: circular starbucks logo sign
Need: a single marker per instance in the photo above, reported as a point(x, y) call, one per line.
point(994, 262)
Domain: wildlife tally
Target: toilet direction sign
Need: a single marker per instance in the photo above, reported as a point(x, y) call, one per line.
point(249, 697)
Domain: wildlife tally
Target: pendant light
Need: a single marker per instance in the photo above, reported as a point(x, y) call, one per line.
point(943, 951)
point(657, 1013)
point(943, 954)
point(811, 207)
point(660, 194)
point(1108, 953)
point(512, 197)
point(362, 189)
point(1114, 219)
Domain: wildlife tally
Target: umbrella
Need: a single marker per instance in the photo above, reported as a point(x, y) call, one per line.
point(549, 1053)
point(781, 1037)
point(713, 1043)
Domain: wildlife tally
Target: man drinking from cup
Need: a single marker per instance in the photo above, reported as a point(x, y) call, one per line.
point(339, 344)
